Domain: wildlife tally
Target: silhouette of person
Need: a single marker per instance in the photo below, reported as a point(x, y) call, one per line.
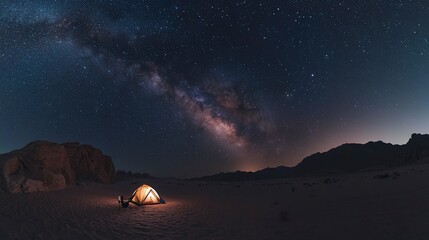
point(122, 202)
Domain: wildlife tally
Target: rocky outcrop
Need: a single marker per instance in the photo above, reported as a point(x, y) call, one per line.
point(89, 163)
point(418, 147)
point(47, 166)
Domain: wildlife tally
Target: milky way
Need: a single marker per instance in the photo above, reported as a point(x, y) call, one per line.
point(211, 104)
point(188, 88)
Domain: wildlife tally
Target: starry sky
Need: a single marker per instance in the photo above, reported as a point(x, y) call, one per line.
point(188, 88)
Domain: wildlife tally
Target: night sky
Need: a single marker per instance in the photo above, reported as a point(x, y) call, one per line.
point(189, 87)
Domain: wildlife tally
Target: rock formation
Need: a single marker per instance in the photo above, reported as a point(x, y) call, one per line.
point(89, 163)
point(47, 166)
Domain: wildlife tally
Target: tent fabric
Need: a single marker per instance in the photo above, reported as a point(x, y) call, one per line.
point(146, 195)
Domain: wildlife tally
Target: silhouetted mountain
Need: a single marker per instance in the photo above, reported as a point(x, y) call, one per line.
point(342, 159)
point(125, 175)
point(354, 157)
point(267, 173)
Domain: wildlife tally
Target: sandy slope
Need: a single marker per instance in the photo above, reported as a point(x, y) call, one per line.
point(355, 207)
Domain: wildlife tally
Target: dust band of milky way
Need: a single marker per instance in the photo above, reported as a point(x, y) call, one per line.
point(212, 104)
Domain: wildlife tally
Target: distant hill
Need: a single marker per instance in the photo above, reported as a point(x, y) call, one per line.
point(267, 173)
point(126, 175)
point(342, 159)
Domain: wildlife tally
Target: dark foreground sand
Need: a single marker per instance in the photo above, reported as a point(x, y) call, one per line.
point(357, 206)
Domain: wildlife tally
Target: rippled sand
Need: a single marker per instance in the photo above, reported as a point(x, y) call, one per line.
point(356, 206)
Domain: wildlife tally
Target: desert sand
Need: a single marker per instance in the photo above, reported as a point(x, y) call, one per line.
point(390, 204)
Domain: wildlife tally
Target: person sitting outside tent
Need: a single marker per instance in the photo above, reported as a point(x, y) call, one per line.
point(123, 203)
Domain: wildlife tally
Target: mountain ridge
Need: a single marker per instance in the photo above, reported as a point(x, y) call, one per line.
point(346, 158)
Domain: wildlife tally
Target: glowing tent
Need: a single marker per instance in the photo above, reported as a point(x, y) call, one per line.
point(144, 195)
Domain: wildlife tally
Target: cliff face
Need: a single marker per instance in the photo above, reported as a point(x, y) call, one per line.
point(418, 147)
point(89, 163)
point(47, 166)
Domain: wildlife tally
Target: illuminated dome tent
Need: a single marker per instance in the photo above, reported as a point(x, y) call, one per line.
point(144, 195)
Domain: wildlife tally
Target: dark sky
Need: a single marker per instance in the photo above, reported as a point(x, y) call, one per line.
point(189, 87)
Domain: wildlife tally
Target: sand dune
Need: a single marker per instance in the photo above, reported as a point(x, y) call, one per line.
point(356, 206)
